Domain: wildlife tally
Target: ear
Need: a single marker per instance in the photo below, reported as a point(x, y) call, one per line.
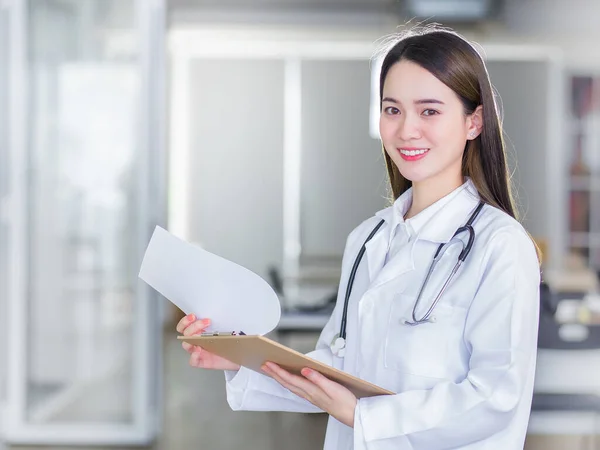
point(475, 123)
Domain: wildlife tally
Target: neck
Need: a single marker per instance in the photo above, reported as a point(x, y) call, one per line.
point(425, 193)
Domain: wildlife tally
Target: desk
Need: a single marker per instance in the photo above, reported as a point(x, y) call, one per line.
point(566, 372)
point(302, 322)
point(567, 384)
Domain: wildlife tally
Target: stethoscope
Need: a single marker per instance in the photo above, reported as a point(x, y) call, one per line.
point(338, 344)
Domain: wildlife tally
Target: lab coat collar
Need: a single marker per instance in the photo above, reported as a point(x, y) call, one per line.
point(453, 215)
point(438, 225)
point(394, 214)
point(378, 246)
point(438, 222)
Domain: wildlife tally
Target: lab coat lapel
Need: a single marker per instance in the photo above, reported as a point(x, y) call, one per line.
point(378, 247)
point(439, 229)
point(399, 265)
point(376, 250)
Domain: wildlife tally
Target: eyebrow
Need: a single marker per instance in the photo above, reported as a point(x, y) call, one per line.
point(421, 101)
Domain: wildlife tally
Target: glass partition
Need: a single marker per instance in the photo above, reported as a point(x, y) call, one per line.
point(4, 124)
point(79, 371)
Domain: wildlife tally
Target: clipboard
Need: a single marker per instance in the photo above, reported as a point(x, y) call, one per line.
point(252, 351)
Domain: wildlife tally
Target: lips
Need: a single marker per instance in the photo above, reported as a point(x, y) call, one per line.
point(413, 154)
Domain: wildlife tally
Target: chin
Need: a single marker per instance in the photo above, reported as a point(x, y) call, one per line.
point(413, 175)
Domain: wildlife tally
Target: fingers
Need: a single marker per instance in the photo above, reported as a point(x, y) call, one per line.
point(277, 377)
point(185, 322)
point(298, 385)
point(190, 326)
point(285, 375)
point(320, 380)
point(190, 348)
point(196, 359)
point(197, 327)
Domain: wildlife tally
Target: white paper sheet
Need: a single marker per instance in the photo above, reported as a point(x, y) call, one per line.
point(199, 282)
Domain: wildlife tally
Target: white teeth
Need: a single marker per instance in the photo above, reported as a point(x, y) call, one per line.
point(414, 152)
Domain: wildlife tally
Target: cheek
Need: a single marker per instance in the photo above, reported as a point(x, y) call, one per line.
point(387, 132)
point(447, 135)
point(384, 129)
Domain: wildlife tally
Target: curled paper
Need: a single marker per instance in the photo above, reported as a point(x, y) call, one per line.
point(200, 282)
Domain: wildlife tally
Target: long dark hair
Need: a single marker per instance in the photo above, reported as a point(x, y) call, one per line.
point(458, 65)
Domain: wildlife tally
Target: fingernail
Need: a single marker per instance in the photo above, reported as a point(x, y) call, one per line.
point(191, 317)
point(206, 321)
point(306, 372)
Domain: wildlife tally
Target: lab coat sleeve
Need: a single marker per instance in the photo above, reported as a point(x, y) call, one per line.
point(501, 334)
point(251, 391)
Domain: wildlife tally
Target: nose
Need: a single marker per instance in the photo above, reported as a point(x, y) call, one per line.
point(408, 128)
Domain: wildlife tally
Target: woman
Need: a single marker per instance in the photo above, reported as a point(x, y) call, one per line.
point(463, 375)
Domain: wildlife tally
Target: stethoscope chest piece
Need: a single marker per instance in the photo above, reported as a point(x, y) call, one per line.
point(338, 346)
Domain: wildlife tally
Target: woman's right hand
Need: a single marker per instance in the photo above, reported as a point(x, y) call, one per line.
point(190, 326)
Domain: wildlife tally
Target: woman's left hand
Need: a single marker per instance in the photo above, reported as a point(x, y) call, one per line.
point(328, 395)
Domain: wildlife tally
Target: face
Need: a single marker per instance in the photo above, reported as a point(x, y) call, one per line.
point(423, 125)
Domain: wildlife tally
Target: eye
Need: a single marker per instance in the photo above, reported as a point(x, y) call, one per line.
point(430, 112)
point(392, 110)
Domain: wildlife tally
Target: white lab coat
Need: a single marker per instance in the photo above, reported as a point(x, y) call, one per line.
point(464, 381)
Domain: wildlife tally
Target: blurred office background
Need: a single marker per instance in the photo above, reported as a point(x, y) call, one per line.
point(247, 127)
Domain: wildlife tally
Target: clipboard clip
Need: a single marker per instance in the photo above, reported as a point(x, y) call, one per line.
point(223, 333)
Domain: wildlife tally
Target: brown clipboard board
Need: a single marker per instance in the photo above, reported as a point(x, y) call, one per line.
point(253, 351)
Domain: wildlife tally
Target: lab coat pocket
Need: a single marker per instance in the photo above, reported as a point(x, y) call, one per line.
point(423, 349)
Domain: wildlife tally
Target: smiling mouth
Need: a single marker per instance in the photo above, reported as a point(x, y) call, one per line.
point(415, 152)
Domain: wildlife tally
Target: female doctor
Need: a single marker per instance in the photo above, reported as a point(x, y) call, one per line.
point(463, 370)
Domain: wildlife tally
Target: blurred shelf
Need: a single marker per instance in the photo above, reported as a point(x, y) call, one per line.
point(584, 183)
point(584, 240)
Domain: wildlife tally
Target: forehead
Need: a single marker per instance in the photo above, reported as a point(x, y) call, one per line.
point(408, 80)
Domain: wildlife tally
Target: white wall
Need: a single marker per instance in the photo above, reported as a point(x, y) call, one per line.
point(343, 178)
point(325, 13)
point(572, 26)
point(576, 18)
point(235, 170)
point(236, 160)
point(534, 123)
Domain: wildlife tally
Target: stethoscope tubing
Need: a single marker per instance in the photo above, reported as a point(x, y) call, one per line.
point(351, 279)
point(468, 227)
